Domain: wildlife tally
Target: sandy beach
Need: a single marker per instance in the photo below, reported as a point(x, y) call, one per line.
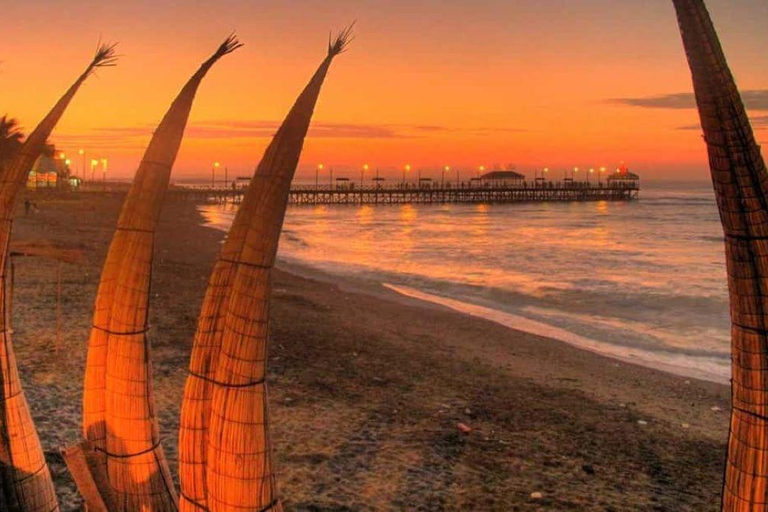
point(369, 388)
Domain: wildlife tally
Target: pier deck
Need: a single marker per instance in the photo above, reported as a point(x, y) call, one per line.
point(435, 193)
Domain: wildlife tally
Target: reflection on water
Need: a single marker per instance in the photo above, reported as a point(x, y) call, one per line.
point(647, 275)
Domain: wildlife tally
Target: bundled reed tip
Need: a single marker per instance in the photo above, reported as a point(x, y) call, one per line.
point(229, 45)
point(105, 56)
point(341, 42)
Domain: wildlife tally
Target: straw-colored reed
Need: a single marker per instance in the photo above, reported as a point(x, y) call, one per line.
point(741, 186)
point(24, 475)
point(119, 422)
point(224, 445)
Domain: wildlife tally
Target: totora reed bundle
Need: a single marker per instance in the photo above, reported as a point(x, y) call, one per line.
point(125, 467)
point(24, 475)
point(224, 445)
point(741, 187)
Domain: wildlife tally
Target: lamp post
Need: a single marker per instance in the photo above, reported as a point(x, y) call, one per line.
point(213, 174)
point(445, 170)
point(330, 178)
point(225, 177)
point(591, 171)
point(104, 171)
point(94, 163)
point(458, 181)
point(81, 152)
point(363, 170)
point(406, 170)
point(575, 172)
point(599, 176)
point(317, 176)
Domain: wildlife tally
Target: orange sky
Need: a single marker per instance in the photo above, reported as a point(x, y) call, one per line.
point(454, 82)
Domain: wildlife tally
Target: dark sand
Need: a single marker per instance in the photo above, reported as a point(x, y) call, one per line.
point(367, 389)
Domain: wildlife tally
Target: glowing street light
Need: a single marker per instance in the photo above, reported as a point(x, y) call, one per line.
point(81, 152)
point(599, 176)
point(62, 156)
point(94, 164)
point(445, 170)
point(215, 166)
point(363, 170)
point(406, 170)
point(104, 171)
point(591, 171)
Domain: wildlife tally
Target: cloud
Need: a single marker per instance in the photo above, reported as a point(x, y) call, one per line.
point(136, 137)
point(320, 130)
point(758, 123)
point(756, 99)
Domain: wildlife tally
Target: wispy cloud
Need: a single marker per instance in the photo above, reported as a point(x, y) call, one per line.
point(133, 137)
point(320, 130)
point(758, 123)
point(756, 99)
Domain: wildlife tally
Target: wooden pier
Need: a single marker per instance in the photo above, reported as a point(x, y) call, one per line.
point(435, 193)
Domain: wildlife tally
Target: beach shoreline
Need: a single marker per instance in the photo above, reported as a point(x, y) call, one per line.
point(368, 387)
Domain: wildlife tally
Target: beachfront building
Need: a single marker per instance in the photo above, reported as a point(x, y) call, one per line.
point(502, 178)
point(48, 172)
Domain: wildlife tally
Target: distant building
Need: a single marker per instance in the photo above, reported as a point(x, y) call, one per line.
point(502, 177)
point(623, 175)
point(48, 172)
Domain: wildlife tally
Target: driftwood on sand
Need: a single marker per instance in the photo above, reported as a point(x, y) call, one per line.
point(121, 464)
point(741, 187)
point(24, 475)
point(224, 443)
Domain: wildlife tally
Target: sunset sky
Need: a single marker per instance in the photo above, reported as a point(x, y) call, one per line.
point(556, 83)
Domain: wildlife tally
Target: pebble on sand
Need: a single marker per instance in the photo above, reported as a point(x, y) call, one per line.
point(464, 428)
point(536, 495)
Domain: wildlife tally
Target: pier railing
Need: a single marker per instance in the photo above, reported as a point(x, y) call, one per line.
point(436, 192)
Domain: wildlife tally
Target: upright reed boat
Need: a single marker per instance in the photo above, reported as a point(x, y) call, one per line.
point(121, 465)
point(225, 453)
point(741, 187)
point(24, 476)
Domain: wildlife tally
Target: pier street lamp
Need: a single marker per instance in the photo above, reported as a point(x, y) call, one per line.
point(591, 171)
point(575, 172)
point(406, 170)
point(215, 166)
point(317, 176)
point(94, 163)
point(363, 170)
point(599, 176)
point(445, 170)
point(104, 171)
point(81, 152)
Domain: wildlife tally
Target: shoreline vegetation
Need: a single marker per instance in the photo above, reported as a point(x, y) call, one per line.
point(371, 391)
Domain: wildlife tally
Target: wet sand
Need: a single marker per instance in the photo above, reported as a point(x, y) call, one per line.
point(368, 388)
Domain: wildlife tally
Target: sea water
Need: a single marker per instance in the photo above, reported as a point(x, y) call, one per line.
point(642, 281)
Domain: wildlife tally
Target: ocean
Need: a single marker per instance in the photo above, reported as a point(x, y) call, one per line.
point(641, 281)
